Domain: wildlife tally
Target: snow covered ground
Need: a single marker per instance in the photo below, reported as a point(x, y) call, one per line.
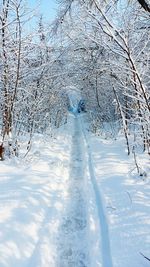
point(126, 200)
point(32, 197)
point(75, 201)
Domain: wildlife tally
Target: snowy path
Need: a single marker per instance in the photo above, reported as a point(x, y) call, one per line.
point(73, 240)
point(105, 241)
point(54, 205)
point(73, 245)
point(48, 221)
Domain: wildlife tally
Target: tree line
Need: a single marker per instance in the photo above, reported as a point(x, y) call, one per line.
point(100, 47)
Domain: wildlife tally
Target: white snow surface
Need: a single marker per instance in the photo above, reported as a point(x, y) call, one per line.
point(74, 201)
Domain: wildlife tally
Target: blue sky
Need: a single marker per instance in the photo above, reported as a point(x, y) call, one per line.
point(47, 8)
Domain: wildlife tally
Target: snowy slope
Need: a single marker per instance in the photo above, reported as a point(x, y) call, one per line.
point(73, 203)
point(31, 203)
point(126, 199)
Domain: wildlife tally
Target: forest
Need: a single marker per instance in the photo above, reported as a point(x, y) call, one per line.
point(100, 48)
point(74, 103)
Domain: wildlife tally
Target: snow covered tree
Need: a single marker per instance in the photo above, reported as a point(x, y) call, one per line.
point(120, 33)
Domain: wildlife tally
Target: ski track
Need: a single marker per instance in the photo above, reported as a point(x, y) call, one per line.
point(72, 236)
point(72, 245)
point(105, 241)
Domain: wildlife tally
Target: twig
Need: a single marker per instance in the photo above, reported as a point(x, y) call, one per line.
point(129, 197)
point(145, 256)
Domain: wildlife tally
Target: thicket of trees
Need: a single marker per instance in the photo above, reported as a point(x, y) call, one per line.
point(100, 47)
point(31, 99)
point(112, 45)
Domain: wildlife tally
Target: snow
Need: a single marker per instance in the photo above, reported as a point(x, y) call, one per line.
point(74, 201)
point(31, 201)
point(105, 242)
point(126, 200)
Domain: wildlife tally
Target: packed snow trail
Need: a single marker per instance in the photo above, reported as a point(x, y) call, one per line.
point(72, 237)
point(105, 241)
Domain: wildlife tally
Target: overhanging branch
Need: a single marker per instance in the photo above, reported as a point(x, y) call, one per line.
point(144, 4)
